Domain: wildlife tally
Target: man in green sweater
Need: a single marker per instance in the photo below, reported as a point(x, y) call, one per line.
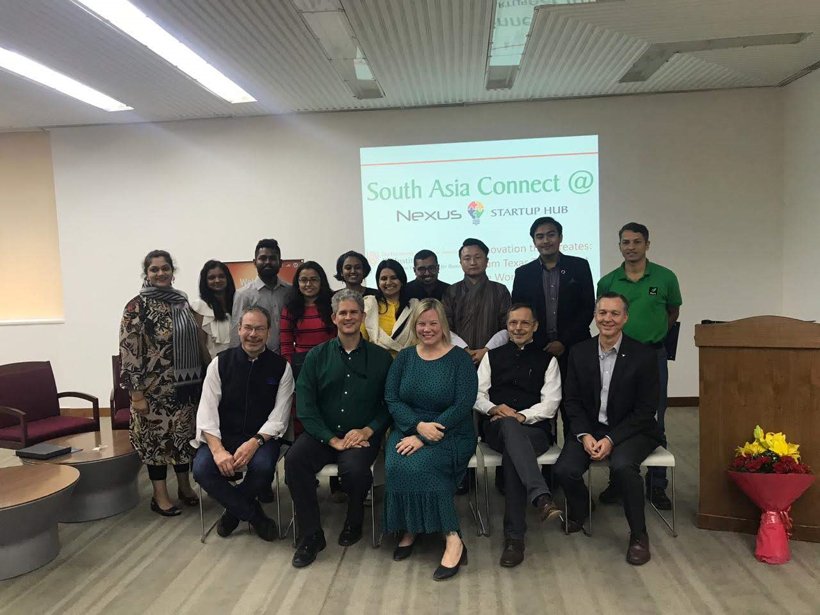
point(340, 401)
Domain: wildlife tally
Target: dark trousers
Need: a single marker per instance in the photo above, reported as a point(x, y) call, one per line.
point(656, 477)
point(239, 500)
point(625, 471)
point(519, 446)
point(303, 462)
point(563, 365)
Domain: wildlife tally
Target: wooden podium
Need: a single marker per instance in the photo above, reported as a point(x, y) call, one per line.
point(756, 371)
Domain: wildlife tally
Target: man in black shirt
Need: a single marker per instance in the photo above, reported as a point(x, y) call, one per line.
point(426, 284)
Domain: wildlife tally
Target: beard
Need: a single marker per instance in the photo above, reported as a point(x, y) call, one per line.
point(268, 273)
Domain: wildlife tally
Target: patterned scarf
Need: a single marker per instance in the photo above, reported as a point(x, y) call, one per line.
point(187, 362)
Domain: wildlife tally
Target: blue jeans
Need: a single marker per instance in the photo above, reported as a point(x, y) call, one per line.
point(656, 477)
point(239, 500)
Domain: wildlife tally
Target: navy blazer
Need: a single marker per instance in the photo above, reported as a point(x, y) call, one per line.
point(576, 298)
point(633, 391)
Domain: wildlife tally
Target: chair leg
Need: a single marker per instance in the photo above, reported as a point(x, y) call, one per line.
point(376, 536)
point(293, 522)
point(278, 505)
point(673, 526)
point(488, 527)
point(201, 515)
point(472, 500)
point(589, 493)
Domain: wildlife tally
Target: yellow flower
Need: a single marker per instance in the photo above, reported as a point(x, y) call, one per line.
point(750, 449)
point(776, 443)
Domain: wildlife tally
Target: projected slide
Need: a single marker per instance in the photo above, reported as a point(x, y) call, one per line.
point(435, 196)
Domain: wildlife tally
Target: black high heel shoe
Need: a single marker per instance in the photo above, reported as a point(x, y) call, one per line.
point(188, 500)
point(443, 572)
point(165, 512)
point(400, 553)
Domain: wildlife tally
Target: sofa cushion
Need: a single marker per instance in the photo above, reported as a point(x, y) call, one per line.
point(48, 428)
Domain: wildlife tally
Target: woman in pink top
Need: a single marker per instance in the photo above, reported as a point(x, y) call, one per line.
point(305, 321)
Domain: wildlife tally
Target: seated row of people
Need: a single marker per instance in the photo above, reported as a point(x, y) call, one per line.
point(349, 393)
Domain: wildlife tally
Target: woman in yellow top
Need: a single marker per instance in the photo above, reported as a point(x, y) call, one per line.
point(387, 313)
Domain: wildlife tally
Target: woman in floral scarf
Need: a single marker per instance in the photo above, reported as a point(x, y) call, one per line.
point(162, 372)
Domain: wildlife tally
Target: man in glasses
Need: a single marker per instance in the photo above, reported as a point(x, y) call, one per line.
point(426, 284)
point(243, 413)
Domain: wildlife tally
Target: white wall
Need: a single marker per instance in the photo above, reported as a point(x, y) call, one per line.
point(801, 195)
point(702, 170)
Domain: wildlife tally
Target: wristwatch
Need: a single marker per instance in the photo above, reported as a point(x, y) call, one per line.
point(258, 437)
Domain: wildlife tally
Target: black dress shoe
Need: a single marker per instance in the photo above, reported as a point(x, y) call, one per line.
point(569, 526)
point(638, 552)
point(165, 512)
point(307, 550)
point(350, 535)
point(400, 553)
point(265, 527)
point(659, 498)
point(513, 553)
point(547, 509)
point(443, 572)
point(611, 495)
point(227, 523)
point(188, 500)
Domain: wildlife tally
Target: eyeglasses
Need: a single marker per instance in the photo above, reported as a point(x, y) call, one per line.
point(430, 269)
point(309, 280)
point(250, 329)
point(519, 323)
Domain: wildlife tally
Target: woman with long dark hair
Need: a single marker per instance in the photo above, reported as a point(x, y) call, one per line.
point(213, 308)
point(352, 268)
point(305, 320)
point(388, 311)
point(162, 372)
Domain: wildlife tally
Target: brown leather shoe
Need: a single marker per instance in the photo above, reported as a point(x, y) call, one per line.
point(638, 552)
point(513, 553)
point(547, 509)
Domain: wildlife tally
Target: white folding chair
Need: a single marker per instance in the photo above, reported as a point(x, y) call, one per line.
point(660, 457)
point(236, 478)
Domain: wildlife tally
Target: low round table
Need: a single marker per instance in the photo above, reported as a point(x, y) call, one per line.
point(31, 499)
point(108, 466)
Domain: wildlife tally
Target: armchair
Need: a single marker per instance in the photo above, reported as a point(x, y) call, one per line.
point(30, 408)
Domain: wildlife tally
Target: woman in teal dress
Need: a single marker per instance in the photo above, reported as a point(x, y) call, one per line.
point(430, 391)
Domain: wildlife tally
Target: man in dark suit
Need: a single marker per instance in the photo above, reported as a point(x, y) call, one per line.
point(560, 289)
point(611, 395)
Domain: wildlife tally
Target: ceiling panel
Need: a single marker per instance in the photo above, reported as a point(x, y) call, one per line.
point(423, 53)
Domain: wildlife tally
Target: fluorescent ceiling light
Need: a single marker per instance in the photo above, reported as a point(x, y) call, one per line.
point(35, 71)
point(659, 54)
point(126, 17)
point(329, 24)
point(511, 26)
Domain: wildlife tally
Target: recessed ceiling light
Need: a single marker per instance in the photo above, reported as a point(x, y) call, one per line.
point(28, 68)
point(511, 26)
point(328, 22)
point(129, 19)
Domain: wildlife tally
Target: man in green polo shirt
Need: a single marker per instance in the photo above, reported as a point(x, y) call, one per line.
point(654, 306)
point(340, 401)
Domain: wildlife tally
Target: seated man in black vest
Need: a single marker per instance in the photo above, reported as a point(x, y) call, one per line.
point(243, 413)
point(611, 396)
point(519, 390)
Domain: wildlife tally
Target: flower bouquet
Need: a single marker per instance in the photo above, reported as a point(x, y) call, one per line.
point(768, 470)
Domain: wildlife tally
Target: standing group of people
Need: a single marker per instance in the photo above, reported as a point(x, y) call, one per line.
point(402, 366)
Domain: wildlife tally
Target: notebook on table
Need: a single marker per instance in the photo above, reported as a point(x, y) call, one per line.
point(43, 450)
